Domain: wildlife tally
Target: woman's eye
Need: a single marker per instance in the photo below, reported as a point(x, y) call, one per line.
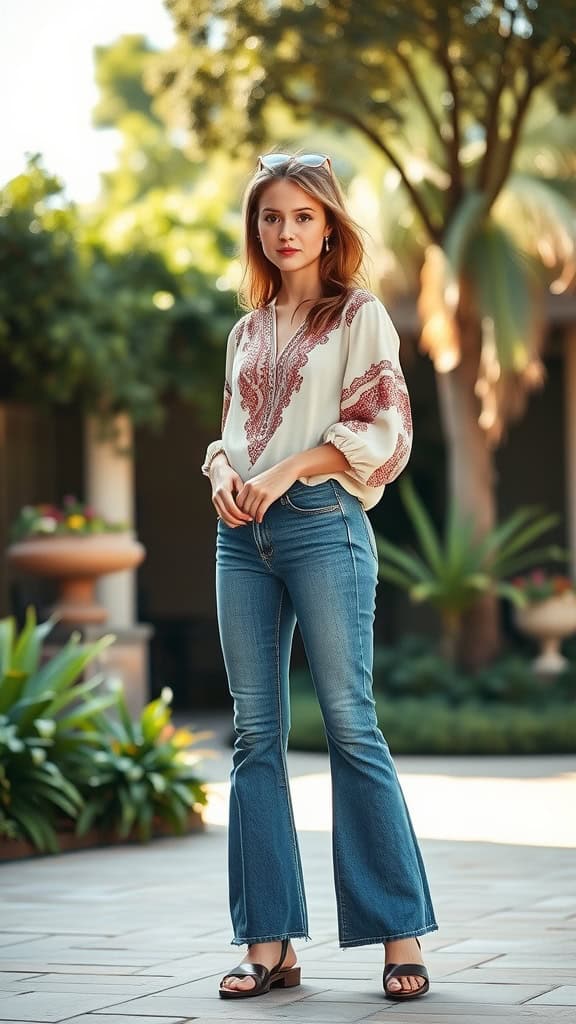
point(271, 218)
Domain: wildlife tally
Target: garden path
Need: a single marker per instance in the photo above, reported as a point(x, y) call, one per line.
point(141, 934)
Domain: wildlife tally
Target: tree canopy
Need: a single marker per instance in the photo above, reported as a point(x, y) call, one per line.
point(115, 305)
point(446, 93)
point(471, 67)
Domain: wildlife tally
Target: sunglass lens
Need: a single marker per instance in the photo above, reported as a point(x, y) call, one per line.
point(273, 160)
point(312, 159)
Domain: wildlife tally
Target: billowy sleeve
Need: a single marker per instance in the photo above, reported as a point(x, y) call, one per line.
point(374, 431)
point(215, 447)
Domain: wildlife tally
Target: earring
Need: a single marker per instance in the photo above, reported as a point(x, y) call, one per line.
point(326, 244)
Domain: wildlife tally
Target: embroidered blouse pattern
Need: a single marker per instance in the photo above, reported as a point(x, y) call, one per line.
point(266, 388)
point(381, 387)
point(393, 466)
point(225, 405)
point(351, 394)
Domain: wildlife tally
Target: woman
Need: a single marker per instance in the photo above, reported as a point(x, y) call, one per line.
point(315, 422)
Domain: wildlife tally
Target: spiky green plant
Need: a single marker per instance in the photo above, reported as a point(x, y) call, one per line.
point(143, 772)
point(46, 716)
point(452, 570)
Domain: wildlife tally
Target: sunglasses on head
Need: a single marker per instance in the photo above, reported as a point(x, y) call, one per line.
point(271, 161)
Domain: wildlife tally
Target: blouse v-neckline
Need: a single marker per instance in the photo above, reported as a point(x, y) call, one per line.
point(277, 356)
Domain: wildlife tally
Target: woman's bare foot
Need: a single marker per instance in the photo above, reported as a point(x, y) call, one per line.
point(404, 951)
point(267, 953)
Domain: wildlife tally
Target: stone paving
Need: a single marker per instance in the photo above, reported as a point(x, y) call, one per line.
point(141, 934)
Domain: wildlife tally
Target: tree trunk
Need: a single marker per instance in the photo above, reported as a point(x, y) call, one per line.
point(471, 480)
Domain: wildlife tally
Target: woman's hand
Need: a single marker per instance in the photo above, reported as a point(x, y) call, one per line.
point(262, 490)
point(225, 481)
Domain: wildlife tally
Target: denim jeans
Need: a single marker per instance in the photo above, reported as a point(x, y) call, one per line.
point(312, 560)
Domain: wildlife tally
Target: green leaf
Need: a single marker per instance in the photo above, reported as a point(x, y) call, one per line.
point(58, 799)
point(503, 534)
point(503, 285)
point(64, 668)
point(526, 534)
point(75, 693)
point(531, 558)
point(26, 655)
point(464, 223)
point(7, 631)
point(423, 525)
point(511, 592)
point(27, 709)
point(413, 566)
point(402, 580)
point(91, 810)
point(125, 719)
point(157, 781)
point(535, 207)
point(155, 716)
point(37, 827)
point(10, 689)
point(127, 812)
point(145, 820)
point(86, 711)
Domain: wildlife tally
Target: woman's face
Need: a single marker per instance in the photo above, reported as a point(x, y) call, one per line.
point(291, 225)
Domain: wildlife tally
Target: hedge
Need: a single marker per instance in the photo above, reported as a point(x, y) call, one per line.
point(434, 726)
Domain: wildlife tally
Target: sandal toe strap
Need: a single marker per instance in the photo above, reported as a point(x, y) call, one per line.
point(248, 970)
point(403, 970)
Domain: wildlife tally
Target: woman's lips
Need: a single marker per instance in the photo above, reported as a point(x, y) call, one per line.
point(287, 252)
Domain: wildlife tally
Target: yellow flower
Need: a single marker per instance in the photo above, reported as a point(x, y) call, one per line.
point(76, 522)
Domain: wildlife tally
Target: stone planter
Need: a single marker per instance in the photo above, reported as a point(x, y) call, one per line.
point(76, 563)
point(549, 621)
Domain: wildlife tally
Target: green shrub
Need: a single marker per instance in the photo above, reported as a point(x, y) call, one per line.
point(141, 773)
point(61, 757)
point(46, 717)
point(412, 669)
point(432, 726)
point(428, 706)
point(452, 570)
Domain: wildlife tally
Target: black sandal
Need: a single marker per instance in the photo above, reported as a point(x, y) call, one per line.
point(277, 977)
point(403, 970)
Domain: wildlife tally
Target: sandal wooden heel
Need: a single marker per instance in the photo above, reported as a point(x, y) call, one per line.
point(290, 978)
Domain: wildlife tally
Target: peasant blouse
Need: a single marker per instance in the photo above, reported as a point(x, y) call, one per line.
point(342, 385)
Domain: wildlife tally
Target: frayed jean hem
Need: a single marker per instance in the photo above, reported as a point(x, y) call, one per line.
point(271, 938)
point(348, 943)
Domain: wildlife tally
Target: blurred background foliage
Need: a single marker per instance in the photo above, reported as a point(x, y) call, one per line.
point(452, 128)
point(124, 303)
point(427, 705)
point(444, 98)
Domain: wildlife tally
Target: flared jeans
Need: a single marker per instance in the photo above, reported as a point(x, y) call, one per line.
point(312, 560)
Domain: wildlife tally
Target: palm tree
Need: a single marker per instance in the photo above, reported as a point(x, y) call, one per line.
point(446, 94)
point(481, 299)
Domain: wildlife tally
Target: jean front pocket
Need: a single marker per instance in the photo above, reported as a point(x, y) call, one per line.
point(311, 500)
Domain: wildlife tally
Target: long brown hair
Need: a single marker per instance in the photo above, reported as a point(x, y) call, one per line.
point(340, 268)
